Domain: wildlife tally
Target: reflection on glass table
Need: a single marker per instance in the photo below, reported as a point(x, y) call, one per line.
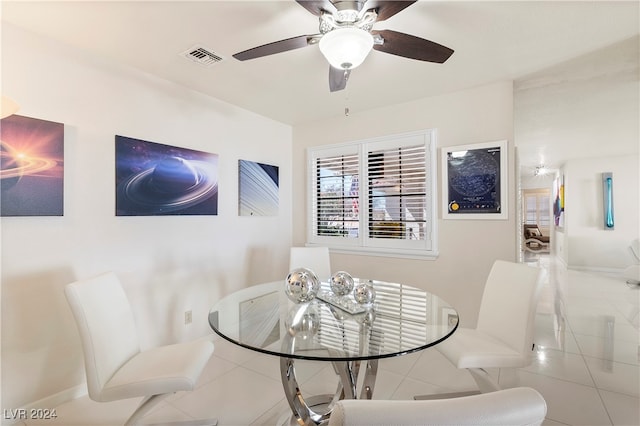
point(337, 329)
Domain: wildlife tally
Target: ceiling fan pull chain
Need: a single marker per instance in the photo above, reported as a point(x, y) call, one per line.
point(346, 99)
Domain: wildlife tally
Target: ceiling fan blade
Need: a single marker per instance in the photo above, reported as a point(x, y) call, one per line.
point(386, 9)
point(338, 79)
point(277, 47)
point(317, 6)
point(412, 47)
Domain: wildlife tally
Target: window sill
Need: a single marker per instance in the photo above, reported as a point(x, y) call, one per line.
point(384, 252)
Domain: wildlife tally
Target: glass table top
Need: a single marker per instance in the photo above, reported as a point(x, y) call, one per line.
point(401, 319)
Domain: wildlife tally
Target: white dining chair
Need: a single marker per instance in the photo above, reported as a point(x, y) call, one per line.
point(503, 336)
point(116, 367)
point(510, 407)
point(314, 258)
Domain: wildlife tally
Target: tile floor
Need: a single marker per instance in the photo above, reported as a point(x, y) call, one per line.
point(587, 367)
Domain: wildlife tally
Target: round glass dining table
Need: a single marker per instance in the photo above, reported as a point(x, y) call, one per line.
point(401, 319)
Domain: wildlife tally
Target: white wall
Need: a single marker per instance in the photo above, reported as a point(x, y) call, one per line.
point(588, 244)
point(167, 264)
point(468, 248)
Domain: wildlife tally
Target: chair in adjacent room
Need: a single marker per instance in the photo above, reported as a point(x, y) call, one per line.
point(510, 407)
point(503, 337)
point(534, 241)
point(115, 366)
point(314, 258)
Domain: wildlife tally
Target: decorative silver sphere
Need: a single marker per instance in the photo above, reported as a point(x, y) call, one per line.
point(341, 283)
point(364, 293)
point(301, 285)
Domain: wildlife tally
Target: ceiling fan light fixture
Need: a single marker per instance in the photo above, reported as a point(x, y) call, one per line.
point(346, 48)
point(541, 170)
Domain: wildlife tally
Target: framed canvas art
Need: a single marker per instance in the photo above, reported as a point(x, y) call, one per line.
point(153, 179)
point(474, 181)
point(257, 189)
point(32, 168)
point(558, 202)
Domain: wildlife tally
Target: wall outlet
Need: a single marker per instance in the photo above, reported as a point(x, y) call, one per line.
point(187, 317)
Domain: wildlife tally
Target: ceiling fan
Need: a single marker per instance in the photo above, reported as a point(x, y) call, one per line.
point(347, 36)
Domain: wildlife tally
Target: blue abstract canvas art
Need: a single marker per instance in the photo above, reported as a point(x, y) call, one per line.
point(258, 189)
point(153, 179)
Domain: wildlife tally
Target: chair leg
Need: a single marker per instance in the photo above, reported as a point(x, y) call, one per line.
point(485, 382)
point(150, 402)
point(145, 406)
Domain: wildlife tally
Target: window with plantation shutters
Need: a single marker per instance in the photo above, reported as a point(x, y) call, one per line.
point(337, 196)
point(397, 193)
point(374, 196)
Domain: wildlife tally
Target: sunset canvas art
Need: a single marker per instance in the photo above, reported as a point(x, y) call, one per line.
point(32, 167)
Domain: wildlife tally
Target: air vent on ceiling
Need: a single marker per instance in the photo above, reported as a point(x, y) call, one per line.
point(202, 56)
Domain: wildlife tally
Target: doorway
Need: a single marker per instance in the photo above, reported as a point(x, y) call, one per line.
point(536, 220)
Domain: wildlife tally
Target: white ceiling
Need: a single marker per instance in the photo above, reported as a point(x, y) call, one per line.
point(493, 41)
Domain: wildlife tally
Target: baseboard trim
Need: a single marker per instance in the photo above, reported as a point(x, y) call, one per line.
point(613, 272)
point(50, 401)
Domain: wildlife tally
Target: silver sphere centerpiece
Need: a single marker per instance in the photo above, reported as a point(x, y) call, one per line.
point(364, 293)
point(341, 283)
point(301, 285)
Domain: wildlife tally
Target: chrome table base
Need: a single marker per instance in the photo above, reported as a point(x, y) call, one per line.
point(357, 380)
